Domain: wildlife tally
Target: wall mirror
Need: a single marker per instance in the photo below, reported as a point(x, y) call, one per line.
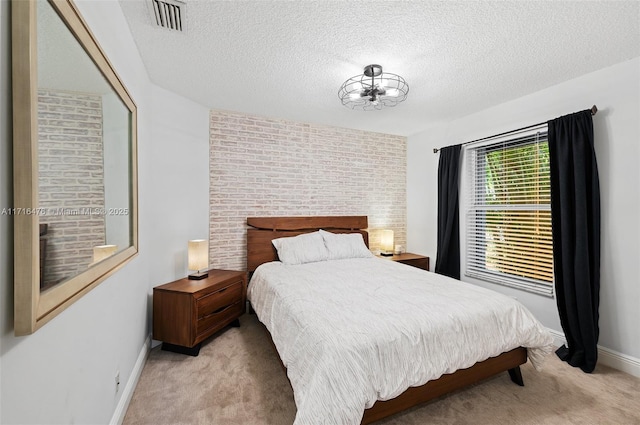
point(75, 172)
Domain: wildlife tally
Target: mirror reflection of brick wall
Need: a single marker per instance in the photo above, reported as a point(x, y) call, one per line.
point(71, 180)
point(269, 167)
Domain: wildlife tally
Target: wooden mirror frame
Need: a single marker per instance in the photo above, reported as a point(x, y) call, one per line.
point(33, 308)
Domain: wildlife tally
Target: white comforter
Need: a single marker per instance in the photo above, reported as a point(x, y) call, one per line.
point(351, 332)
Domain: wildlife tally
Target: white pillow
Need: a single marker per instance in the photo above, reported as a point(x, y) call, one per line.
point(305, 248)
point(345, 245)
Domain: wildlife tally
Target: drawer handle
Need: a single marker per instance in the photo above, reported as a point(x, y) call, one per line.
point(218, 311)
point(212, 294)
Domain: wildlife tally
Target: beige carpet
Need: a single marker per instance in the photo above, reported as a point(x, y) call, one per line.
point(237, 379)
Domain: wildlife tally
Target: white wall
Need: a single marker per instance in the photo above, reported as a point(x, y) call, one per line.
point(178, 186)
point(616, 92)
point(64, 373)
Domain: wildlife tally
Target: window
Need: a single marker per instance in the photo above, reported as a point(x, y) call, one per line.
point(509, 212)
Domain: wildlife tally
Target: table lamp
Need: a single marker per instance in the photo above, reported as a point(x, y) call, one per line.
point(386, 243)
point(198, 258)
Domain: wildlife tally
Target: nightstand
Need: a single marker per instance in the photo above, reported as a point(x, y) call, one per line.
point(415, 260)
point(186, 312)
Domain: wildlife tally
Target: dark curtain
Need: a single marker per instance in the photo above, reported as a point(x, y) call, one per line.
point(575, 219)
point(448, 258)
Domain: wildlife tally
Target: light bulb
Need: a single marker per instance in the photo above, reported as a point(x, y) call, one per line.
point(392, 92)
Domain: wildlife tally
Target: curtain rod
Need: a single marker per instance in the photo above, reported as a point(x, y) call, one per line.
point(594, 110)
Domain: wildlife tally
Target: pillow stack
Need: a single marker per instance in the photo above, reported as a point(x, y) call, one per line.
point(320, 246)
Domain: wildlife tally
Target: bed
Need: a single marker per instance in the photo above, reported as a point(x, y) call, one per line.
point(362, 338)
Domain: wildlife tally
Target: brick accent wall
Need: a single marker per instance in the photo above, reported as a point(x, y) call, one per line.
point(268, 167)
point(71, 180)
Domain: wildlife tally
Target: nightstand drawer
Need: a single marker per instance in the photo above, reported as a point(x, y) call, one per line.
point(215, 300)
point(219, 317)
point(421, 263)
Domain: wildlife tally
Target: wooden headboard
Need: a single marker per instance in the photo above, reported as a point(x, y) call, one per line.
point(265, 229)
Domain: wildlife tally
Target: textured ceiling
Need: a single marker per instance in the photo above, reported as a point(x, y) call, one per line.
point(287, 59)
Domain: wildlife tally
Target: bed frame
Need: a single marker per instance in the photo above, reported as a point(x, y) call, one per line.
point(260, 250)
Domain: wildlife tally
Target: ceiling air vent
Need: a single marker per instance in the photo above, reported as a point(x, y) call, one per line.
point(169, 14)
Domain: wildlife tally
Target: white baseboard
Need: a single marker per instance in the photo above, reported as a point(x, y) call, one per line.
point(607, 356)
point(558, 337)
point(127, 393)
point(611, 358)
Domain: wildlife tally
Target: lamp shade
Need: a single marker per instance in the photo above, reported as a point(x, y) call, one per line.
point(101, 252)
point(198, 254)
point(386, 242)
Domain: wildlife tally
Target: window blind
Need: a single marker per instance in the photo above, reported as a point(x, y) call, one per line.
point(509, 212)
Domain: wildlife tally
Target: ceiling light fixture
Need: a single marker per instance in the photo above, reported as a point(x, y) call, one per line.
point(373, 90)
